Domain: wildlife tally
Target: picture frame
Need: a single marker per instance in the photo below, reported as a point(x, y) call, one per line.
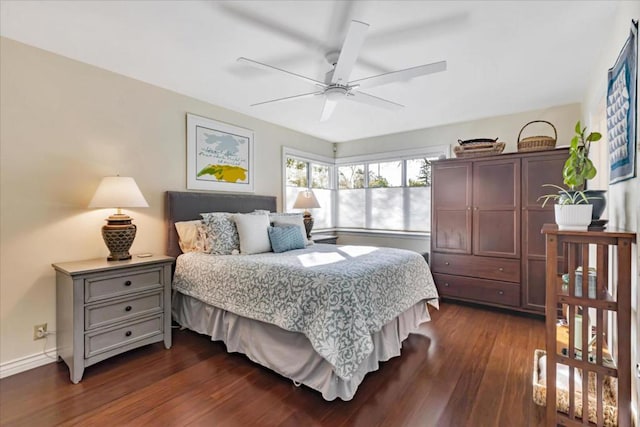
point(219, 156)
point(622, 92)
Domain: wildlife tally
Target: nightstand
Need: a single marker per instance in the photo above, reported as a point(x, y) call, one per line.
point(105, 308)
point(325, 238)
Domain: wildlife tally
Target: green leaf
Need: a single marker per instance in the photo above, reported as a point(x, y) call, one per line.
point(594, 136)
point(574, 143)
point(578, 127)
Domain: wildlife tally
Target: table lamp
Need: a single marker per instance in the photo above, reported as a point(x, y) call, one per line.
point(118, 234)
point(306, 200)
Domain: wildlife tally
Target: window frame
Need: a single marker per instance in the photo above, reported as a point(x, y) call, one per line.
point(310, 158)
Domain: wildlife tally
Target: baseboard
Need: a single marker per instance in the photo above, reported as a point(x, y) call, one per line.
point(22, 364)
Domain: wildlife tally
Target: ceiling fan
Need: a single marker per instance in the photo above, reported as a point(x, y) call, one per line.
point(337, 86)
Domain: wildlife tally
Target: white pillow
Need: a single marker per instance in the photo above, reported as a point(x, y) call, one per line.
point(253, 230)
point(191, 236)
point(295, 219)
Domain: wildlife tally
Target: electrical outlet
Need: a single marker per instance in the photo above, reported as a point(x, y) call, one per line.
point(39, 331)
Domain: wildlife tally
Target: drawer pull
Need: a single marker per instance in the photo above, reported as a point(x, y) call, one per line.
point(127, 283)
point(500, 292)
point(446, 285)
point(127, 308)
point(446, 263)
point(128, 333)
point(501, 269)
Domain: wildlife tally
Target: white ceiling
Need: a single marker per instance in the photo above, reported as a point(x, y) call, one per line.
point(503, 56)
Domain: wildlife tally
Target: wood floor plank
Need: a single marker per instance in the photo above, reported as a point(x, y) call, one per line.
point(468, 366)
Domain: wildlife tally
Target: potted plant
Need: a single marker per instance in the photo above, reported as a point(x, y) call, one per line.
point(574, 208)
point(579, 168)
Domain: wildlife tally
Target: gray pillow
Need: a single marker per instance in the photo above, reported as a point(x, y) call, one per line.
point(222, 235)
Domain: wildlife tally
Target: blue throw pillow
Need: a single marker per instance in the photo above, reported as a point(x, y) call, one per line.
point(286, 238)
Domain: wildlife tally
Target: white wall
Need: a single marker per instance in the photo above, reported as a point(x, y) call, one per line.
point(65, 125)
point(623, 199)
point(505, 127)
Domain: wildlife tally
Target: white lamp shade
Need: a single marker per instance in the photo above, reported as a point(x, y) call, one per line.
point(118, 192)
point(306, 200)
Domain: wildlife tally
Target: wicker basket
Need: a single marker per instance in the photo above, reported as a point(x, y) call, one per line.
point(467, 152)
point(537, 143)
point(609, 404)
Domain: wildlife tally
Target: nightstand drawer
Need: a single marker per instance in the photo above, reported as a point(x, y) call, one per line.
point(98, 289)
point(106, 313)
point(100, 342)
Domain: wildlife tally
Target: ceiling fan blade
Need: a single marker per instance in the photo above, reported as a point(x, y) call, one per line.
point(395, 76)
point(327, 109)
point(279, 27)
point(365, 98)
point(349, 52)
point(272, 68)
point(289, 98)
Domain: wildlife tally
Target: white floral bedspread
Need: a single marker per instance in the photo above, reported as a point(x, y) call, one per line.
point(336, 295)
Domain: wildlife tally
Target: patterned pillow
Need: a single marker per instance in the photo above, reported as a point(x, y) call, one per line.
point(192, 236)
point(222, 235)
point(286, 238)
point(291, 219)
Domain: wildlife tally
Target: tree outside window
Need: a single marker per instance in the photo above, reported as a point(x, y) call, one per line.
point(296, 172)
point(351, 176)
point(419, 172)
point(320, 176)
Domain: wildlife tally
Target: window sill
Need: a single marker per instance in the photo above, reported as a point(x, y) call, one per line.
point(377, 233)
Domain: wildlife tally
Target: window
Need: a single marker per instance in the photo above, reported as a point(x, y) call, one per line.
point(296, 172)
point(302, 171)
point(351, 176)
point(419, 172)
point(388, 191)
point(387, 194)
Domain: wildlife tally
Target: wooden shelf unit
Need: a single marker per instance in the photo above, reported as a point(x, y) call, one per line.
point(566, 251)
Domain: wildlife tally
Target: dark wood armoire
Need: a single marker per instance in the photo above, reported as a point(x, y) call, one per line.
point(486, 244)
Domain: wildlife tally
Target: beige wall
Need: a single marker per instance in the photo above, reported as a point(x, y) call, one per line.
point(623, 199)
point(505, 127)
point(63, 126)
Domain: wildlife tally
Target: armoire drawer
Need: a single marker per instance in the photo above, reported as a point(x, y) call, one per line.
point(480, 290)
point(503, 269)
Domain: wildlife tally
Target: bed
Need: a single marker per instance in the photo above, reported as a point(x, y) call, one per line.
point(323, 316)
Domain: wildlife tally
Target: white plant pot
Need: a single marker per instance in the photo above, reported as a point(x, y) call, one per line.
point(573, 217)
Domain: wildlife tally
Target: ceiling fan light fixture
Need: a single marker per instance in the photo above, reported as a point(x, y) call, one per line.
point(336, 93)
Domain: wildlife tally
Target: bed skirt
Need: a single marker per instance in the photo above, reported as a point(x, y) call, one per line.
point(290, 354)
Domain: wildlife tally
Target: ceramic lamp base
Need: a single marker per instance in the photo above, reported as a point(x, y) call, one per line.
point(118, 235)
point(308, 224)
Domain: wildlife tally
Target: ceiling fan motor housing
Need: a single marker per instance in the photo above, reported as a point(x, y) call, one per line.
point(335, 93)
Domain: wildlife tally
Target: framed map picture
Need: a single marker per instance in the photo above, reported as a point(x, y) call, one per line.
point(219, 156)
point(622, 93)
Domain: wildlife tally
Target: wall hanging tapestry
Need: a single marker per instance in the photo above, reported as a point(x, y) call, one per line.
point(621, 110)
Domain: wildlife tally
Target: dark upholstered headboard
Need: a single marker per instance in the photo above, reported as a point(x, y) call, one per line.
point(186, 206)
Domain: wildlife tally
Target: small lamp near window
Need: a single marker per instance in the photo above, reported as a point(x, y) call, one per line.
point(306, 200)
point(118, 234)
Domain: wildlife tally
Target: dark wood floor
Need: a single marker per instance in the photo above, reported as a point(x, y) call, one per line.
point(472, 367)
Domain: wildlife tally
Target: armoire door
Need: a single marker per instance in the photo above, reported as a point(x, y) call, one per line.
point(543, 169)
point(496, 208)
point(451, 207)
